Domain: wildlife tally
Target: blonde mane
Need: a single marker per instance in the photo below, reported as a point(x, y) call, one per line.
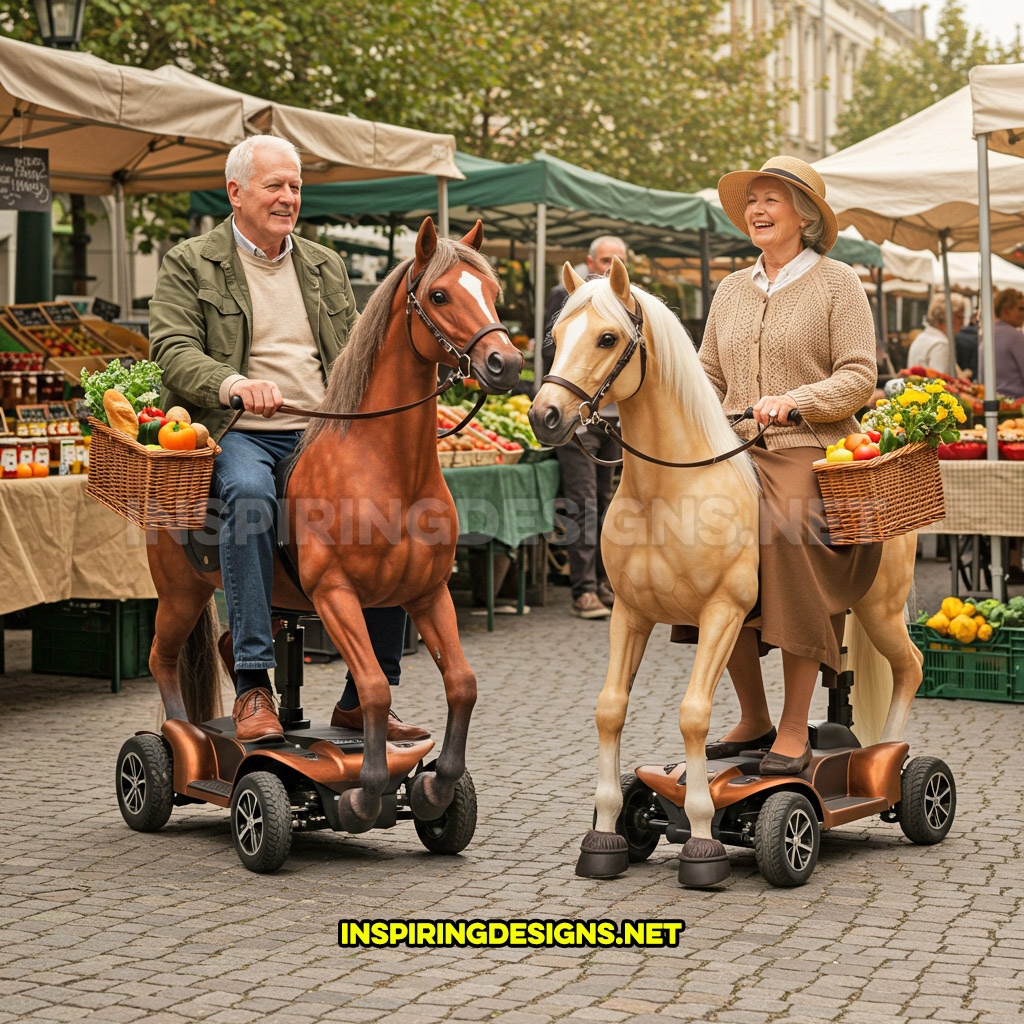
point(678, 369)
point(350, 373)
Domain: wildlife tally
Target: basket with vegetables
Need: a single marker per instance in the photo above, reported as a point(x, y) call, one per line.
point(972, 650)
point(886, 482)
point(150, 467)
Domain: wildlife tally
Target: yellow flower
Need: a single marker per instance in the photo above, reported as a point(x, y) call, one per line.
point(898, 418)
point(941, 414)
point(959, 415)
point(947, 399)
point(912, 395)
point(881, 402)
point(934, 388)
point(913, 409)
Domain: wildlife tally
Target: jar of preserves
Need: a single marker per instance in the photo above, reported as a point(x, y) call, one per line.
point(9, 458)
point(30, 388)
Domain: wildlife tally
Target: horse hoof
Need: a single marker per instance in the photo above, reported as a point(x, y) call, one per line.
point(602, 855)
point(703, 863)
point(424, 802)
point(351, 820)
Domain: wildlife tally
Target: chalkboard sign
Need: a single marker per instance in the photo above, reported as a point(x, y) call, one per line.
point(61, 312)
point(28, 316)
point(24, 179)
point(106, 310)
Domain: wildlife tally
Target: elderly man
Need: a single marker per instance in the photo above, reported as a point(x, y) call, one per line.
point(930, 348)
point(586, 487)
point(253, 310)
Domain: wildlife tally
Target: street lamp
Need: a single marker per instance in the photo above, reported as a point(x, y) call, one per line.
point(60, 22)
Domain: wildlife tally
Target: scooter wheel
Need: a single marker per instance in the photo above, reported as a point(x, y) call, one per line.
point(261, 822)
point(927, 800)
point(641, 841)
point(452, 832)
point(145, 782)
point(786, 839)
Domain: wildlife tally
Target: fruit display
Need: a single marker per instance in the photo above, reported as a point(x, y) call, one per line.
point(973, 444)
point(474, 440)
point(967, 622)
point(56, 329)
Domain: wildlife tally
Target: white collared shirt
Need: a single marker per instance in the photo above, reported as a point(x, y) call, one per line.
point(794, 269)
point(254, 250)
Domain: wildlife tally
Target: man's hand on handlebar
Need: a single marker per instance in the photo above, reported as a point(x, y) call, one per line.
point(262, 397)
point(778, 407)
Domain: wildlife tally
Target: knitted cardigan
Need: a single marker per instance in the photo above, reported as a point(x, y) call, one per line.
point(813, 340)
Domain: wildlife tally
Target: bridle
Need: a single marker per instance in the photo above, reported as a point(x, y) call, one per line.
point(591, 402)
point(461, 372)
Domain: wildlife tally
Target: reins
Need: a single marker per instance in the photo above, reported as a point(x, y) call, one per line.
point(461, 372)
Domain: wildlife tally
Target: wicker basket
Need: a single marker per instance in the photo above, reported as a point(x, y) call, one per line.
point(884, 497)
point(162, 490)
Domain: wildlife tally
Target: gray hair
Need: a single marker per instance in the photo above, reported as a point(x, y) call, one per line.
point(238, 166)
point(936, 314)
point(812, 234)
point(600, 240)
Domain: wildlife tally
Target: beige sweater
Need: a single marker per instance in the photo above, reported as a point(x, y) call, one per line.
point(813, 340)
point(283, 348)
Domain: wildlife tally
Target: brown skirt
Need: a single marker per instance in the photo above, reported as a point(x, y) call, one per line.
point(805, 584)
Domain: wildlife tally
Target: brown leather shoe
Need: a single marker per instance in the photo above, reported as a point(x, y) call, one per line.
point(255, 717)
point(778, 764)
point(397, 729)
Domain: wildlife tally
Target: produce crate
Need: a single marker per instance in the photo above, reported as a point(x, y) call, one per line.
point(975, 671)
point(80, 638)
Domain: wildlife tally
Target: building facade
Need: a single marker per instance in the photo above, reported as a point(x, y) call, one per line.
point(818, 64)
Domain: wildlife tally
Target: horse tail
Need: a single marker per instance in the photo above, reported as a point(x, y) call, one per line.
point(199, 668)
point(872, 682)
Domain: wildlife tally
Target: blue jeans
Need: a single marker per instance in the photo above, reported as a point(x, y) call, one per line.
point(243, 480)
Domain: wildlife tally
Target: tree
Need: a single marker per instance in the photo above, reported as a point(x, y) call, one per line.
point(891, 87)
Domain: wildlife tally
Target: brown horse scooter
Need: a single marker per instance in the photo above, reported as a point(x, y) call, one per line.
point(382, 533)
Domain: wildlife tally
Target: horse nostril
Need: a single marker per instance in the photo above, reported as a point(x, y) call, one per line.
point(552, 417)
point(495, 363)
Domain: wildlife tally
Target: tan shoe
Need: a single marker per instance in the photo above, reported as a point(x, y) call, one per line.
point(397, 729)
point(605, 594)
point(590, 606)
point(255, 717)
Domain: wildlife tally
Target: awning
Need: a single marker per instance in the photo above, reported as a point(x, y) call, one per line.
point(997, 95)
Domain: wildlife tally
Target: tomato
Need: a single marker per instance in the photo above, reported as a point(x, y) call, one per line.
point(865, 451)
point(854, 441)
point(177, 436)
point(874, 435)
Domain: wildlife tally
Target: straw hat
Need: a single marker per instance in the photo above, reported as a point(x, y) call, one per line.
point(732, 191)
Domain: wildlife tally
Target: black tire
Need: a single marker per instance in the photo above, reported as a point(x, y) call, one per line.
point(453, 831)
point(786, 840)
point(641, 841)
point(927, 801)
point(145, 782)
point(261, 822)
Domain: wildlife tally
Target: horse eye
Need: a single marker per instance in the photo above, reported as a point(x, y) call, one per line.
point(607, 341)
point(438, 298)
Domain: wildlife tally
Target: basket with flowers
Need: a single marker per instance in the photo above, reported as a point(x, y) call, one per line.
point(899, 490)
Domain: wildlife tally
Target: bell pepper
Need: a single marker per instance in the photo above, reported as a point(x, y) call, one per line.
point(151, 413)
point(178, 436)
point(149, 430)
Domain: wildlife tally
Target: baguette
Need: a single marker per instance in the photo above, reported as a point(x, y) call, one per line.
point(120, 414)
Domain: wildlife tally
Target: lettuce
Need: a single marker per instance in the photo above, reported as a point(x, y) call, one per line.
point(139, 383)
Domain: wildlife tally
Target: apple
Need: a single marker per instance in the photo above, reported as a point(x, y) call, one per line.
point(865, 451)
point(874, 435)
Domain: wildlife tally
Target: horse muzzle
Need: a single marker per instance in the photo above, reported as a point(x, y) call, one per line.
point(498, 371)
point(551, 423)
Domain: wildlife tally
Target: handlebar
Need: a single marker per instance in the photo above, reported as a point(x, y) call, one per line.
point(236, 402)
point(792, 419)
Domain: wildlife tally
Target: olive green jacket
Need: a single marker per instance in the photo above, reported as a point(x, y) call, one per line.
point(201, 317)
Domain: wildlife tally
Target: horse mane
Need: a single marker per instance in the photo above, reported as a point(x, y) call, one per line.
point(676, 363)
point(350, 373)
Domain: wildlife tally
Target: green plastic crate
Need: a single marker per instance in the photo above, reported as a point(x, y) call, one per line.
point(76, 637)
point(975, 671)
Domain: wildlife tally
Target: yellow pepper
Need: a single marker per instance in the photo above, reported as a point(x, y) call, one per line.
point(952, 607)
point(963, 629)
point(969, 610)
point(985, 632)
point(938, 622)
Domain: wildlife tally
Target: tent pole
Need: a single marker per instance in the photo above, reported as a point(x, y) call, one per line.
point(988, 349)
point(951, 360)
point(442, 206)
point(881, 320)
point(705, 276)
point(119, 248)
point(538, 295)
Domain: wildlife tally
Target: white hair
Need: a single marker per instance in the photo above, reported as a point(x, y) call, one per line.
point(238, 166)
point(601, 240)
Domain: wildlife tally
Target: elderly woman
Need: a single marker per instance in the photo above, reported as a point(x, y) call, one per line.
point(930, 348)
point(793, 332)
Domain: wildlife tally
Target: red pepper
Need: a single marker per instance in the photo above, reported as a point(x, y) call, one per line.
point(150, 413)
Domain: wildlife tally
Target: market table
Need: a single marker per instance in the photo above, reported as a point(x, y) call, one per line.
point(507, 504)
point(983, 499)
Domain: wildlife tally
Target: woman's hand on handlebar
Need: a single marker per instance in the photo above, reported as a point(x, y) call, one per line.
point(262, 397)
point(775, 406)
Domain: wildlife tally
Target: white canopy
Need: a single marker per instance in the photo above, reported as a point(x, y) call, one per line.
point(997, 93)
point(917, 180)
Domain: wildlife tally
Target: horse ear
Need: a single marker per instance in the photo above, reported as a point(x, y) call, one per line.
point(426, 242)
point(570, 278)
point(474, 238)
point(619, 280)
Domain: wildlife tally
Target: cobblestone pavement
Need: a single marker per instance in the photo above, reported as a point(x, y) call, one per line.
point(99, 923)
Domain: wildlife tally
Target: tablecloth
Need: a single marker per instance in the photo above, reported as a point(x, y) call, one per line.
point(57, 543)
point(982, 497)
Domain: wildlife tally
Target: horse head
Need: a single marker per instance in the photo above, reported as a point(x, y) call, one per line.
point(600, 353)
point(451, 291)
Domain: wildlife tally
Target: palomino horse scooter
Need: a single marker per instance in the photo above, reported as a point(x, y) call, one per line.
point(690, 556)
point(382, 533)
